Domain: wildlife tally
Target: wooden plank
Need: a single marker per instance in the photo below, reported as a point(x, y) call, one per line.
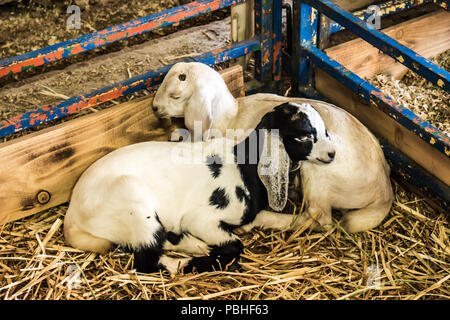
point(351, 5)
point(39, 170)
point(426, 35)
point(234, 78)
point(382, 125)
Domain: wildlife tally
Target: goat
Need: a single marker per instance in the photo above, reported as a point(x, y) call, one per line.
point(152, 196)
point(357, 181)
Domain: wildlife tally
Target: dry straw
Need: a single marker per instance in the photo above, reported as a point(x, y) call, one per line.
point(419, 95)
point(407, 257)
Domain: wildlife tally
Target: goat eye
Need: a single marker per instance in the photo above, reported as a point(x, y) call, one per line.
point(182, 77)
point(175, 97)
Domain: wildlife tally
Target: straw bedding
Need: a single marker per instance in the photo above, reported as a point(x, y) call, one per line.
point(407, 257)
point(419, 95)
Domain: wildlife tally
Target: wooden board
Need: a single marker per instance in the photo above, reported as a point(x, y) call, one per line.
point(351, 5)
point(382, 125)
point(39, 170)
point(427, 35)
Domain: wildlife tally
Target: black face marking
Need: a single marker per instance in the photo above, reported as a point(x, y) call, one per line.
point(297, 150)
point(219, 199)
point(241, 194)
point(157, 218)
point(214, 164)
point(291, 123)
point(182, 77)
point(174, 238)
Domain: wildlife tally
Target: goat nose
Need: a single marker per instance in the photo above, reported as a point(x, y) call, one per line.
point(331, 154)
point(155, 109)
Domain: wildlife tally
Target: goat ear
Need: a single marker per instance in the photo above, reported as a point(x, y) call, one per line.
point(200, 113)
point(273, 169)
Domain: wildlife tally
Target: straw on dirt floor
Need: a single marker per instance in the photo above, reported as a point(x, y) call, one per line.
point(407, 257)
point(423, 98)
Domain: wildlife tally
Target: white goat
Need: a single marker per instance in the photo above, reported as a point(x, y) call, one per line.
point(357, 180)
point(152, 196)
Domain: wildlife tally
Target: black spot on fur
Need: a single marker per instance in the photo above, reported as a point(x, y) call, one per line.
point(146, 259)
point(257, 199)
point(227, 226)
point(220, 258)
point(214, 164)
point(219, 199)
point(241, 195)
point(174, 238)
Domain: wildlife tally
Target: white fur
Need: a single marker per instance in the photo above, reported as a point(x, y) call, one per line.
point(120, 198)
point(358, 178)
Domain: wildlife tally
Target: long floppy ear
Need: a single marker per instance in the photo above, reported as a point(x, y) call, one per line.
point(198, 114)
point(273, 169)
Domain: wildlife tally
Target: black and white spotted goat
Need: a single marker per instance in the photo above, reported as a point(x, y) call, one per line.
point(357, 182)
point(189, 197)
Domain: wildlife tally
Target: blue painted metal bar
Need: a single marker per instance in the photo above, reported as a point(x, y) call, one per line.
point(406, 169)
point(400, 53)
point(442, 3)
point(153, 77)
point(277, 35)
point(264, 31)
point(436, 138)
point(386, 9)
point(295, 54)
point(308, 37)
point(107, 36)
